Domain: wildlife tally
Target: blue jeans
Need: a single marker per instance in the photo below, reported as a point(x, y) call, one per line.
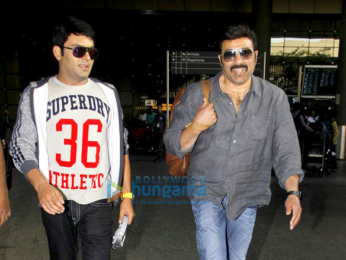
point(92, 222)
point(219, 238)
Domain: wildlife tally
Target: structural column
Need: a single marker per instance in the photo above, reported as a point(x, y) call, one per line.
point(262, 13)
point(340, 99)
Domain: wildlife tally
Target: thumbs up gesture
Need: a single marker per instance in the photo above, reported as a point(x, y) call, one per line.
point(204, 118)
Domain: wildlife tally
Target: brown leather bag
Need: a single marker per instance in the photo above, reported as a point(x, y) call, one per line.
point(180, 166)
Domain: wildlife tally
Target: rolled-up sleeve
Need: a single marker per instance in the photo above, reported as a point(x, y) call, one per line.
point(286, 151)
point(182, 115)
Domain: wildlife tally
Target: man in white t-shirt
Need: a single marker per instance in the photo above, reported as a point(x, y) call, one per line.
point(69, 143)
point(142, 116)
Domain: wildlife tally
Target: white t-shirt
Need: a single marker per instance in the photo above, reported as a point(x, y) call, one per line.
point(143, 117)
point(77, 121)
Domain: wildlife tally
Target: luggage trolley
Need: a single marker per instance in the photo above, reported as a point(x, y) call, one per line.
point(313, 155)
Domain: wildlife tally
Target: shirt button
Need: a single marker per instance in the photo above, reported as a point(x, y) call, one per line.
point(230, 103)
point(234, 141)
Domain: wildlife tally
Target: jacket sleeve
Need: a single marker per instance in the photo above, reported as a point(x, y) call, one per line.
point(24, 136)
point(126, 141)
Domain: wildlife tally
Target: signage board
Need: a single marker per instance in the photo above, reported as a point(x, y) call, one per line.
point(193, 62)
point(319, 81)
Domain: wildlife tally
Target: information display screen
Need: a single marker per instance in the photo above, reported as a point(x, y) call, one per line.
point(319, 81)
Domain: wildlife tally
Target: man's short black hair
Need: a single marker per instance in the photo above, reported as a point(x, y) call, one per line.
point(239, 31)
point(71, 25)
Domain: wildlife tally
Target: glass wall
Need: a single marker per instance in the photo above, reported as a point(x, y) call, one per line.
point(299, 43)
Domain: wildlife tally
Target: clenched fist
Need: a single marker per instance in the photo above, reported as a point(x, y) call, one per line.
point(204, 118)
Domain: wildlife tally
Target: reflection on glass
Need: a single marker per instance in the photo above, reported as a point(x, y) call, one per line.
point(325, 51)
point(324, 42)
point(297, 42)
point(287, 54)
point(276, 51)
point(336, 43)
point(336, 53)
point(275, 42)
point(296, 52)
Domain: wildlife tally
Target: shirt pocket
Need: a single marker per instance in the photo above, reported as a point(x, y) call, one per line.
point(259, 127)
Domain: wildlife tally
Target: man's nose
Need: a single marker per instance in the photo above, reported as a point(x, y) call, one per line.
point(237, 57)
point(86, 56)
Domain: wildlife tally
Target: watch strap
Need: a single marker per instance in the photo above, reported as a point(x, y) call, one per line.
point(296, 193)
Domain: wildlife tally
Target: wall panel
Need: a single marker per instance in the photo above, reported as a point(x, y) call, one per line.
point(332, 7)
point(301, 6)
point(280, 6)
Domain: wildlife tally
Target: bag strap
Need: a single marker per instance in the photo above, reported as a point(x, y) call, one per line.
point(206, 88)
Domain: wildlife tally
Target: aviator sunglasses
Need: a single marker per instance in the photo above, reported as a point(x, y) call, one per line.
point(244, 53)
point(80, 51)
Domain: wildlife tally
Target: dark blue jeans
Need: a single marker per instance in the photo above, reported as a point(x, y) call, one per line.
point(92, 223)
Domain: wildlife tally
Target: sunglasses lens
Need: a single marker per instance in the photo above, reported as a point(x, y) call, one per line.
point(229, 55)
point(246, 54)
point(79, 52)
point(93, 53)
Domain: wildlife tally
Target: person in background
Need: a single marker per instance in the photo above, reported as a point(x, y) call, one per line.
point(332, 141)
point(150, 119)
point(304, 122)
point(8, 125)
point(5, 210)
point(6, 132)
point(295, 111)
point(142, 116)
point(160, 123)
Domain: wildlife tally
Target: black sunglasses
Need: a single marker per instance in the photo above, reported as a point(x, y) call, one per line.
point(245, 54)
point(80, 51)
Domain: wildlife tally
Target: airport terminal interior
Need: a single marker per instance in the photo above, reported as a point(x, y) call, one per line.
point(300, 50)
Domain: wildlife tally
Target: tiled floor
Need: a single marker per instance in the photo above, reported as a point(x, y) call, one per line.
point(165, 230)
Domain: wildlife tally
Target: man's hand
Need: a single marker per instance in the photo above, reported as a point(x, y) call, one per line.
point(205, 117)
point(49, 196)
point(50, 199)
point(5, 210)
point(126, 208)
point(293, 205)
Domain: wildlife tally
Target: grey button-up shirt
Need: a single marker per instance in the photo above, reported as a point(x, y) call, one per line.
point(235, 156)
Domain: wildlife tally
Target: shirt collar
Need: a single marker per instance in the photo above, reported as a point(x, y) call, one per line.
point(216, 90)
point(255, 86)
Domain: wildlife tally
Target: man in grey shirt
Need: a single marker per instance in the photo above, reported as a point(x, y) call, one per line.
point(236, 138)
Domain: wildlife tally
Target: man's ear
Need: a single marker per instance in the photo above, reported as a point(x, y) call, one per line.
point(219, 56)
point(57, 52)
point(256, 55)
